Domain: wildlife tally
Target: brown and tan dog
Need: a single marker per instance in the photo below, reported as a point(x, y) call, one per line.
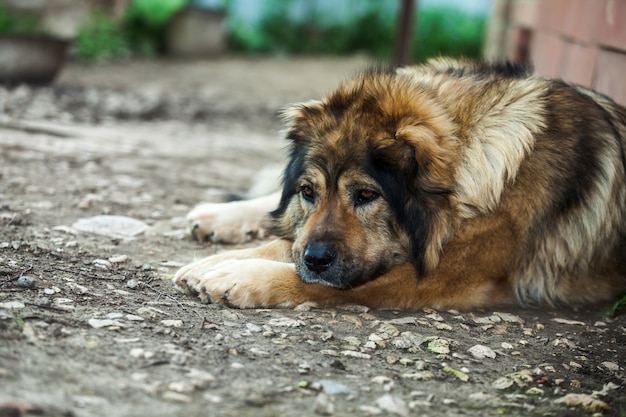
point(451, 185)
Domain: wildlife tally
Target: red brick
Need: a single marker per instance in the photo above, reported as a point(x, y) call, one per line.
point(611, 24)
point(550, 15)
point(546, 53)
point(580, 19)
point(579, 64)
point(611, 79)
point(524, 13)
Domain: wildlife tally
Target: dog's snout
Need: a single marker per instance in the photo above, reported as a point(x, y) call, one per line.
point(318, 257)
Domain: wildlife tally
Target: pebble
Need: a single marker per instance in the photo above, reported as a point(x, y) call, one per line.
point(323, 405)
point(120, 227)
point(118, 259)
point(133, 283)
point(26, 281)
point(172, 323)
point(332, 387)
point(357, 355)
point(392, 404)
point(176, 397)
point(100, 323)
point(482, 352)
point(12, 305)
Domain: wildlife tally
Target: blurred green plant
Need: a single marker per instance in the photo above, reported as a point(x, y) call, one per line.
point(617, 306)
point(10, 22)
point(440, 31)
point(141, 32)
point(449, 32)
point(146, 23)
point(102, 38)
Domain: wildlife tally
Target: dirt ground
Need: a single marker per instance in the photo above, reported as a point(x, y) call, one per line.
point(90, 324)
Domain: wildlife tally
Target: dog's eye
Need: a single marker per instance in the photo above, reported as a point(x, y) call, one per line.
point(365, 196)
point(307, 193)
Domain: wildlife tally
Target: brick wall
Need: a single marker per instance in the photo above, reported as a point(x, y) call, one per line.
point(580, 41)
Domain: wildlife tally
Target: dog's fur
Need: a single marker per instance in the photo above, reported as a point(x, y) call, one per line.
point(452, 185)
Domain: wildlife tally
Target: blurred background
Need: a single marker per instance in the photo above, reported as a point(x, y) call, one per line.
point(581, 41)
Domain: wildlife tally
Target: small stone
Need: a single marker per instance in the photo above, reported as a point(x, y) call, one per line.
point(332, 387)
point(12, 305)
point(176, 397)
point(323, 405)
point(393, 404)
point(584, 401)
point(534, 391)
point(26, 281)
point(181, 386)
point(100, 323)
point(118, 259)
point(611, 366)
point(133, 283)
point(440, 346)
point(253, 327)
point(112, 226)
point(419, 376)
point(172, 323)
point(101, 263)
point(482, 352)
point(357, 355)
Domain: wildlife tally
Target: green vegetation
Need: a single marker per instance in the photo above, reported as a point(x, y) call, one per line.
point(619, 304)
point(13, 23)
point(141, 32)
point(369, 29)
point(447, 31)
point(440, 31)
point(102, 38)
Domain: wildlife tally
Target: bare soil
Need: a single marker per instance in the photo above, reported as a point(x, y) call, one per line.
point(90, 325)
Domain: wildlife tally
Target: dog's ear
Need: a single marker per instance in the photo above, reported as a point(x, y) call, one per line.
point(300, 117)
point(433, 150)
point(426, 150)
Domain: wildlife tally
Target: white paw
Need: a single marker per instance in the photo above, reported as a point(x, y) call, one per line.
point(231, 223)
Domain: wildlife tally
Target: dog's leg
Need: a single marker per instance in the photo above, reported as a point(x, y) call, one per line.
point(266, 277)
point(234, 222)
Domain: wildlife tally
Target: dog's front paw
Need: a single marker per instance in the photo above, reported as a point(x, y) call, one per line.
point(240, 283)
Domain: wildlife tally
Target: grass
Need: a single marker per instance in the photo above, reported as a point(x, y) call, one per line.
point(618, 305)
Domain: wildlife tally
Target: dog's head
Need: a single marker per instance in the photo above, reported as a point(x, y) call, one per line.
point(369, 180)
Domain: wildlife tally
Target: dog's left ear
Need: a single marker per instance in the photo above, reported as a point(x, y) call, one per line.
point(433, 149)
point(299, 117)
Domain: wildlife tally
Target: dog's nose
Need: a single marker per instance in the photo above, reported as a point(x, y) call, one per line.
point(318, 257)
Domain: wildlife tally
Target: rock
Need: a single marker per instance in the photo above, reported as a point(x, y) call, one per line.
point(172, 323)
point(440, 346)
point(332, 387)
point(323, 405)
point(482, 352)
point(392, 404)
point(26, 281)
point(100, 323)
point(584, 401)
point(12, 305)
point(120, 227)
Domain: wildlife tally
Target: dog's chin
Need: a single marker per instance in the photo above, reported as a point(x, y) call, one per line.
point(334, 277)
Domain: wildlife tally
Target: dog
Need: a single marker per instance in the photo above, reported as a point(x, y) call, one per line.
point(452, 185)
